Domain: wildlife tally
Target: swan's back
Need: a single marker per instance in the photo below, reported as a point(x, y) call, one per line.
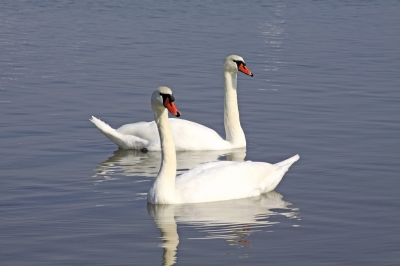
point(143, 130)
point(223, 181)
point(227, 180)
point(187, 135)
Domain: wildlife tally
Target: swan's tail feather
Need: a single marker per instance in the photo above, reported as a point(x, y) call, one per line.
point(277, 175)
point(123, 141)
point(289, 162)
point(102, 126)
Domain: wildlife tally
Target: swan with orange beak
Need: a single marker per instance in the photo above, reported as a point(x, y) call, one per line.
point(213, 181)
point(188, 135)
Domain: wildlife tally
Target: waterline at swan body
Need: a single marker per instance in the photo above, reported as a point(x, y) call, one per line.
point(215, 181)
point(188, 135)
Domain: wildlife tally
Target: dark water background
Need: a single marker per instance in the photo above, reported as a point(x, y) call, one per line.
point(326, 85)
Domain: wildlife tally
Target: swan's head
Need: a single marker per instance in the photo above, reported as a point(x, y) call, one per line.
point(162, 98)
point(235, 63)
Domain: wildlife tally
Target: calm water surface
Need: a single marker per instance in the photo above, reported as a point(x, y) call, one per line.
point(326, 85)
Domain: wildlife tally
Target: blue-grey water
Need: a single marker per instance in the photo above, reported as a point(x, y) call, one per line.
point(326, 85)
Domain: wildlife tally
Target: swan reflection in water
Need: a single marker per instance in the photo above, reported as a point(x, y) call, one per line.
point(137, 163)
point(231, 220)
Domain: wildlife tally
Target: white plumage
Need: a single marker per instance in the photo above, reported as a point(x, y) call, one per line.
point(227, 180)
point(188, 136)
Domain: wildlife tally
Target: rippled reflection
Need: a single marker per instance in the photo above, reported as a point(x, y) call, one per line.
point(137, 163)
point(233, 220)
point(273, 30)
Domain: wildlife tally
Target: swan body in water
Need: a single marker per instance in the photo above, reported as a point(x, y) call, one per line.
point(188, 135)
point(214, 181)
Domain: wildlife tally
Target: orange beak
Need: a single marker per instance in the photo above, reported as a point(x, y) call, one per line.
point(171, 107)
point(244, 69)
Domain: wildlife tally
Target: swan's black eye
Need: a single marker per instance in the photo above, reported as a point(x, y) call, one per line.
point(165, 96)
point(239, 62)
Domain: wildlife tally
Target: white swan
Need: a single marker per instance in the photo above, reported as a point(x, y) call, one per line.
point(214, 181)
point(188, 136)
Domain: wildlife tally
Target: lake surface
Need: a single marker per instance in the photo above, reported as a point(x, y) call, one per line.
point(326, 85)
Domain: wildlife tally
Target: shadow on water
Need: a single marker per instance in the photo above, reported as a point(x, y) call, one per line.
point(137, 163)
point(233, 220)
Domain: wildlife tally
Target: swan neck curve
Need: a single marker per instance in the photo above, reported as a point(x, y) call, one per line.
point(233, 130)
point(163, 190)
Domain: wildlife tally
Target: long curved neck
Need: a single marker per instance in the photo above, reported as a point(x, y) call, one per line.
point(233, 130)
point(164, 186)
